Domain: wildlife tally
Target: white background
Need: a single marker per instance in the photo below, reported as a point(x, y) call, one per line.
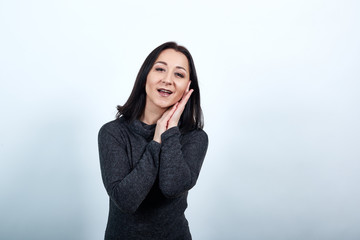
point(280, 93)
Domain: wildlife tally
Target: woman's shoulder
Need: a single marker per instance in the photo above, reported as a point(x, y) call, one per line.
point(197, 134)
point(115, 127)
point(118, 122)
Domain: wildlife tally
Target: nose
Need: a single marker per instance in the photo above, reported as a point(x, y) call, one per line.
point(167, 79)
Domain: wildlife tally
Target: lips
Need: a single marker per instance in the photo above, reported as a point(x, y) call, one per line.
point(164, 92)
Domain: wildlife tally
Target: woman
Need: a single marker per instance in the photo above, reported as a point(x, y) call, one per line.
point(151, 155)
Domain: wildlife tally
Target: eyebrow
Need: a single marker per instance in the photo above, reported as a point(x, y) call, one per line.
point(166, 65)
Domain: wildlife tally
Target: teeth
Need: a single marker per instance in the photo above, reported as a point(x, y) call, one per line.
point(165, 91)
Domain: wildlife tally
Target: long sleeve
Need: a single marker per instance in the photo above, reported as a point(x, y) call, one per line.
point(180, 160)
point(127, 186)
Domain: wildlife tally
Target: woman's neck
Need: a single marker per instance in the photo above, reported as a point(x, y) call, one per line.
point(151, 115)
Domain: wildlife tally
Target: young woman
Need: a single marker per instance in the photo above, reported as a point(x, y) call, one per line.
point(151, 155)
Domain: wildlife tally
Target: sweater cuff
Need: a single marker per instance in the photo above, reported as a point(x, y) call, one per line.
point(154, 146)
point(174, 131)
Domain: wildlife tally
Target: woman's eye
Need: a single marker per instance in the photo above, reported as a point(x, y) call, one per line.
point(179, 75)
point(159, 69)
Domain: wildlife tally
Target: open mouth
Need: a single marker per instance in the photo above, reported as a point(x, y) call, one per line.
point(164, 92)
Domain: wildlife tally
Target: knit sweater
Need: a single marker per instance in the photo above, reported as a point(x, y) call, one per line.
point(148, 182)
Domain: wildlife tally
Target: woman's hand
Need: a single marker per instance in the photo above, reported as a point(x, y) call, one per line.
point(175, 117)
point(161, 124)
point(171, 117)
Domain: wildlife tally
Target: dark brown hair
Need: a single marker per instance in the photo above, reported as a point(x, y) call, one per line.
point(192, 116)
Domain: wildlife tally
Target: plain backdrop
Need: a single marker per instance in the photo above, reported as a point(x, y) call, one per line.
point(279, 82)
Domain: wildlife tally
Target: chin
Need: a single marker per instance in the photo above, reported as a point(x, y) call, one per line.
point(166, 104)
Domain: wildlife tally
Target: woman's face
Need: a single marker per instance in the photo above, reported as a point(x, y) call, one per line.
point(167, 80)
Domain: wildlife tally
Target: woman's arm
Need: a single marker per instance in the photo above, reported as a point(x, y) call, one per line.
point(126, 187)
point(180, 163)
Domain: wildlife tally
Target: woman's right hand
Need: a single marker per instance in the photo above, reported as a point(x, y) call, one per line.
point(162, 123)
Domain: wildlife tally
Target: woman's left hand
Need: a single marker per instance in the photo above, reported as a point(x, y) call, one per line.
point(175, 117)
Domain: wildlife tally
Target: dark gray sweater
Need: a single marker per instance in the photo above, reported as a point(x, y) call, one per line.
point(148, 182)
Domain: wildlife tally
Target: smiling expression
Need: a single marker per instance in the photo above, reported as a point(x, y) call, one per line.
point(167, 80)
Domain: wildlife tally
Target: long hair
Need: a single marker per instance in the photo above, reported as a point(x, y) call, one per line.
point(191, 118)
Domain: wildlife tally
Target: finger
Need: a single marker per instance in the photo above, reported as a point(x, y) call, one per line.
point(167, 115)
point(173, 109)
point(185, 98)
point(174, 119)
point(188, 87)
point(170, 114)
point(181, 106)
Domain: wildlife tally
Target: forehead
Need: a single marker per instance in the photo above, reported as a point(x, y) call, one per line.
point(174, 58)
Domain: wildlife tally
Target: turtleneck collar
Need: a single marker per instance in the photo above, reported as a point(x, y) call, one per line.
point(143, 129)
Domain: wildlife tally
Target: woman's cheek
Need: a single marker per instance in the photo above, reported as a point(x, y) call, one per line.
point(181, 94)
point(178, 98)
